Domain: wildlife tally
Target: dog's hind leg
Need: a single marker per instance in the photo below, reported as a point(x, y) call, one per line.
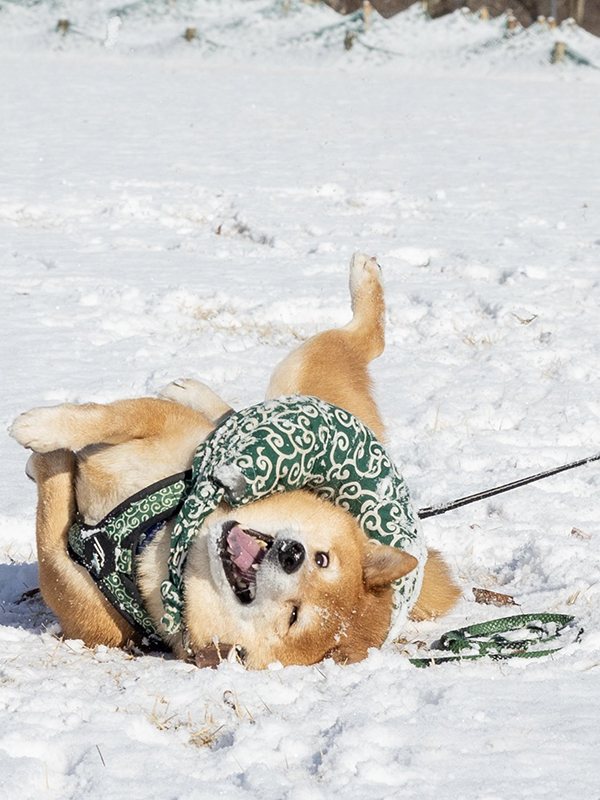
point(367, 326)
point(66, 587)
point(334, 365)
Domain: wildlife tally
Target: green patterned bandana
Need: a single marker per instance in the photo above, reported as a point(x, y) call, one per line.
point(298, 443)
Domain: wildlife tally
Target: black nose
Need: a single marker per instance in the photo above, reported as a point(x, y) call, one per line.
point(291, 555)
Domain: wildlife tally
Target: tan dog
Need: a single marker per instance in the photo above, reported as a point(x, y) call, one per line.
point(336, 600)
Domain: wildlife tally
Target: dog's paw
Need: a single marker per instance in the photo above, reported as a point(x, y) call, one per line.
point(196, 395)
point(186, 391)
point(41, 429)
point(365, 272)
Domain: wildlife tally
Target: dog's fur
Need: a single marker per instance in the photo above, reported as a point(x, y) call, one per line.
point(94, 456)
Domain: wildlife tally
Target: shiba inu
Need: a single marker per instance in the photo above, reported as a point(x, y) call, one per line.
point(289, 578)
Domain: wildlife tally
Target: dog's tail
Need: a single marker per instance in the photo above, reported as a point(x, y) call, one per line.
point(439, 592)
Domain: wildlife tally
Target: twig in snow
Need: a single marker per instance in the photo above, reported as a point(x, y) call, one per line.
point(580, 534)
point(101, 756)
point(27, 595)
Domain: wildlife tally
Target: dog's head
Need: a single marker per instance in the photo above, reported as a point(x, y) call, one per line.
point(290, 578)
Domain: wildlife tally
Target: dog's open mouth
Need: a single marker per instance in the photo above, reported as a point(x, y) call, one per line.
point(242, 552)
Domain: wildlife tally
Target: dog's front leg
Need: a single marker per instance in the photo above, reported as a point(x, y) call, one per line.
point(73, 427)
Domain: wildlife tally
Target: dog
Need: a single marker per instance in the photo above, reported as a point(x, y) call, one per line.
point(335, 599)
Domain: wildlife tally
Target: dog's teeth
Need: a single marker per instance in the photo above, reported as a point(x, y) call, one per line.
point(255, 567)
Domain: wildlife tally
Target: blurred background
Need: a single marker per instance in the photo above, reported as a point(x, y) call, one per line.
point(585, 12)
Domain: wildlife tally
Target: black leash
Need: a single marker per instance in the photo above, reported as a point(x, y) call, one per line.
point(434, 511)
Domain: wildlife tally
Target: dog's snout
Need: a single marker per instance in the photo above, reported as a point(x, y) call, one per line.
point(291, 555)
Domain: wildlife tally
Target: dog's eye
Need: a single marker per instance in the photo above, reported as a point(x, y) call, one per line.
point(322, 559)
point(294, 615)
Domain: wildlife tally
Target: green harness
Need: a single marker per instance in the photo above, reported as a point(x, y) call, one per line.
point(108, 550)
point(279, 445)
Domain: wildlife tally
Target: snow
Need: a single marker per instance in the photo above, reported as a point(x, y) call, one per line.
point(172, 209)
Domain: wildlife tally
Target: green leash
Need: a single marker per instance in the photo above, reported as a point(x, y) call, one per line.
point(490, 639)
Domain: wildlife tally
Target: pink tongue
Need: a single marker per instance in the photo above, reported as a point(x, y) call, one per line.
point(243, 547)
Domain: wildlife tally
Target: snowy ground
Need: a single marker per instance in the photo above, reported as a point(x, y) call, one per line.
point(168, 212)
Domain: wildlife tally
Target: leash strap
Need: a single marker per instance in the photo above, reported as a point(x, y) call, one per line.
point(434, 511)
point(507, 637)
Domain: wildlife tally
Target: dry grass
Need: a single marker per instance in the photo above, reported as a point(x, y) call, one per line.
point(203, 735)
point(525, 321)
point(230, 699)
point(477, 341)
point(225, 319)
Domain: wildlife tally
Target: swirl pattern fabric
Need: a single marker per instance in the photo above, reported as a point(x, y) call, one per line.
point(290, 443)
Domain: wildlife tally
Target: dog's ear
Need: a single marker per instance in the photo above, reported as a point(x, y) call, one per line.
point(383, 565)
